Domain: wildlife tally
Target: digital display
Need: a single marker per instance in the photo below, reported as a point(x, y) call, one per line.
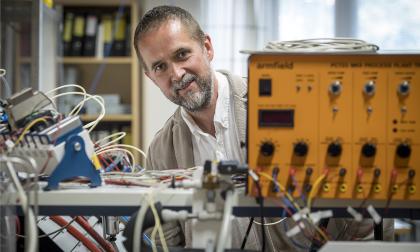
point(276, 118)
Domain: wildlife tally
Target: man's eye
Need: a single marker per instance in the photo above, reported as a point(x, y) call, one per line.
point(182, 55)
point(159, 67)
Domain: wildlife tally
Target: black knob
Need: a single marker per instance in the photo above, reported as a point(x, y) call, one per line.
point(334, 149)
point(369, 88)
point(301, 149)
point(404, 88)
point(335, 88)
point(309, 171)
point(369, 150)
point(403, 150)
point(267, 149)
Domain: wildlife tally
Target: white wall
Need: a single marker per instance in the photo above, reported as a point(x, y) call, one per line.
point(156, 108)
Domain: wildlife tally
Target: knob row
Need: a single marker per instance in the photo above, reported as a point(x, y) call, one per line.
point(335, 149)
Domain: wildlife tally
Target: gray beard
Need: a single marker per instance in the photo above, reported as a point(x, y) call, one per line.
point(193, 101)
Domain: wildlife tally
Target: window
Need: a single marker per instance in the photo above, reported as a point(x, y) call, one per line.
point(306, 19)
point(390, 24)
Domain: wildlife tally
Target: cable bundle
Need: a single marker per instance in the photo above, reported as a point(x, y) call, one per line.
point(322, 45)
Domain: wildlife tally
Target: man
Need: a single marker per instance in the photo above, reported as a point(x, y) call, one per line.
point(176, 56)
point(210, 122)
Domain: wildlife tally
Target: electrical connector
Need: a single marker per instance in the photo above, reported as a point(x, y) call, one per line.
point(356, 215)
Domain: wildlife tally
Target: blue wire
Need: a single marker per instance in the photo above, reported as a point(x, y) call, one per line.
point(147, 240)
point(288, 203)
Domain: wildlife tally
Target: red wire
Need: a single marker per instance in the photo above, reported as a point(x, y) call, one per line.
point(103, 160)
point(17, 225)
point(75, 233)
point(104, 243)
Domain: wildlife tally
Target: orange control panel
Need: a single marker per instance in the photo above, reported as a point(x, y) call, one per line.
point(353, 119)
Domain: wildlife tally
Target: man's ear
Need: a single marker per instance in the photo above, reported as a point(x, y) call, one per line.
point(208, 47)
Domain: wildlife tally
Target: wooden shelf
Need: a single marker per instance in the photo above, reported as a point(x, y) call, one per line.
point(94, 2)
point(109, 118)
point(94, 60)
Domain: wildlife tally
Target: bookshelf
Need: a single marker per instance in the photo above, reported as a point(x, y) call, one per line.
point(104, 75)
point(95, 60)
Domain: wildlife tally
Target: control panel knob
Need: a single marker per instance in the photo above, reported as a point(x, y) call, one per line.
point(334, 149)
point(301, 149)
point(267, 149)
point(403, 150)
point(369, 88)
point(335, 88)
point(369, 150)
point(404, 88)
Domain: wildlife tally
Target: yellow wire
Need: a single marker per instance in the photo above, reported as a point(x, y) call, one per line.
point(324, 236)
point(157, 227)
point(265, 175)
point(314, 190)
point(29, 127)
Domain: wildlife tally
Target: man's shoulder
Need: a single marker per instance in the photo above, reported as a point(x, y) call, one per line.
point(238, 84)
point(165, 133)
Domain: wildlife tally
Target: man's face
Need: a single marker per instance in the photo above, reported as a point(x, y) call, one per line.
point(178, 64)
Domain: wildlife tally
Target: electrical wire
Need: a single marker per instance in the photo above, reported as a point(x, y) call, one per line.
point(92, 232)
point(118, 149)
point(50, 233)
point(157, 227)
point(27, 128)
point(125, 146)
point(102, 143)
point(270, 223)
point(227, 215)
point(282, 188)
point(290, 198)
point(67, 86)
point(97, 98)
point(322, 45)
point(31, 243)
point(75, 233)
point(260, 201)
point(314, 189)
point(80, 105)
point(251, 221)
point(138, 226)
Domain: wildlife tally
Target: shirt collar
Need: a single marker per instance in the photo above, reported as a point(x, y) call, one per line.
point(221, 114)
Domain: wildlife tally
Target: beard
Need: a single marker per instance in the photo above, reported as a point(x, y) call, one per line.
point(193, 101)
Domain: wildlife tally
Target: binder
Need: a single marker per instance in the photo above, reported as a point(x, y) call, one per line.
point(90, 35)
point(99, 50)
point(128, 39)
point(107, 23)
point(67, 33)
point(78, 33)
point(118, 47)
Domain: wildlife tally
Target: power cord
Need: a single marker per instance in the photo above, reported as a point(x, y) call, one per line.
point(260, 201)
point(251, 221)
point(322, 45)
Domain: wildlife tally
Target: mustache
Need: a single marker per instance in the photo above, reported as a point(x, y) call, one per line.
point(184, 82)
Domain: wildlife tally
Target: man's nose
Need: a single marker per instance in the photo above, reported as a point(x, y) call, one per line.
point(177, 72)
